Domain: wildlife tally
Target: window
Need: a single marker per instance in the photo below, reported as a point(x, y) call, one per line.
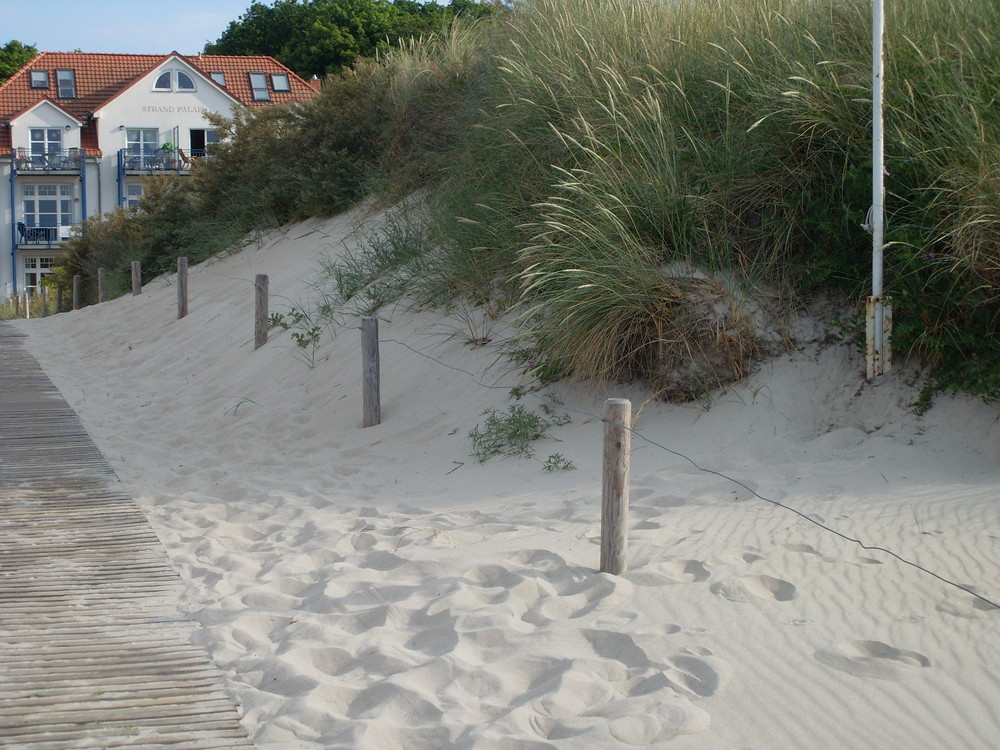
point(66, 83)
point(48, 205)
point(133, 191)
point(202, 140)
point(39, 79)
point(35, 269)
point(219, 77)
point(172, 80)
point(258, 84)
point(45, 141)
point(279, 82)
point(140, 147)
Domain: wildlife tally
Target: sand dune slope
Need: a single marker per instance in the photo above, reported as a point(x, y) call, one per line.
point(378, 588)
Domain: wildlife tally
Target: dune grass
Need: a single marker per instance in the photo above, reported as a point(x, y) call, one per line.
point(640, 181)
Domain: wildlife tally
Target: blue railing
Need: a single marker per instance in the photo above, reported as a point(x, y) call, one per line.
point(64, 160)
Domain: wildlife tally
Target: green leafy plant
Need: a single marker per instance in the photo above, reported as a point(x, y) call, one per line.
point(305, 332)
point(512, 432)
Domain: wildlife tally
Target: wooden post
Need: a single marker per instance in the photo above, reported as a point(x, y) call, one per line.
point(614, 504)
point(45, 301)
point(136, 278)
point(260, 311)
point(370, 371)
point(102, 285)
point(27, 304)
point(76, 292)
point(182, 287)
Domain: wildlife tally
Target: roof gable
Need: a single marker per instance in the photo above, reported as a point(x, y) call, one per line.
point(47, 103)
point(101, 77)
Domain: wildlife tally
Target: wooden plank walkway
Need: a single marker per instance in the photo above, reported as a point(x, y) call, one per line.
point(93, 650)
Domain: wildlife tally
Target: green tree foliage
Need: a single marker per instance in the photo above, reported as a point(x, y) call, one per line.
point(324, 36)
point(13, 56)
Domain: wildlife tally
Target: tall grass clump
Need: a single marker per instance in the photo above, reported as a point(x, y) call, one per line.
point(637, 166)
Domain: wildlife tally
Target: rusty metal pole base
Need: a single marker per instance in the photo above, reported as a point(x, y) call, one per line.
point(878, 338)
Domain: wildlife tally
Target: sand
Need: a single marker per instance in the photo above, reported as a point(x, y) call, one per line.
point(379, 588)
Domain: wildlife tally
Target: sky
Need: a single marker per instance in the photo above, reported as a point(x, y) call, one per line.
point(136, 26)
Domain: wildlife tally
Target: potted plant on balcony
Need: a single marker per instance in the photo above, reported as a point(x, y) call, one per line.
point(169, 155)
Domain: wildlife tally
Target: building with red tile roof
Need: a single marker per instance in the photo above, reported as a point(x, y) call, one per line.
point(80, 131)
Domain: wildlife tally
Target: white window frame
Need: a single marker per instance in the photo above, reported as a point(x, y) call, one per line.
point(38, 266)
point(219, 77)
point(171, 81)
point(60, 194)
point(50, 142)
point(133, 192)
point(39, 79)
point(143, 142)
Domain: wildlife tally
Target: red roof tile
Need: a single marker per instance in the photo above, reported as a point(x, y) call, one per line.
point(102, 77)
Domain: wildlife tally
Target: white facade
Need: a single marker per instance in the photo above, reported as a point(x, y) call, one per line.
point(51, 183)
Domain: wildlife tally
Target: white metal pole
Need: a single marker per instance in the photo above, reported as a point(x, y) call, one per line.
point(878, 147)
point(878, 314)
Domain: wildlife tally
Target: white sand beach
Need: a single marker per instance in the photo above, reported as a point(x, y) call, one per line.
point(377, 588)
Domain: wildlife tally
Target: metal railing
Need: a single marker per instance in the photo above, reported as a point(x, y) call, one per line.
point(64, 160)
point(157, 160)
point(45, 236)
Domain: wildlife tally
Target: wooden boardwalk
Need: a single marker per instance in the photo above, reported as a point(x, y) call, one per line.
point(93, 650)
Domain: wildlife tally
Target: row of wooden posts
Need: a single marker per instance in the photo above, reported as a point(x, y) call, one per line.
point(617, 411)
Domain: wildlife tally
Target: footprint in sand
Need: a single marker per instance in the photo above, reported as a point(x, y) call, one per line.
point(873, 659)
point(759, 587)
point(969, 605)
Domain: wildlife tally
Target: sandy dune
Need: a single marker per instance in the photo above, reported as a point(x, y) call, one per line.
point(378, 588)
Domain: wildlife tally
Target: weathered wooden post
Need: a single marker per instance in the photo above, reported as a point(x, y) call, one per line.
point(614, 502)
point(102, 285)
point(260, 311)
point(45, 301)
point(76, 291)
point(182, 287)
point(136, 278)
point(370, 371)
point(27, 304)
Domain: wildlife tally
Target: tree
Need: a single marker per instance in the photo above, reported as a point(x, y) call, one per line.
point(324, 36)
point(13, 56)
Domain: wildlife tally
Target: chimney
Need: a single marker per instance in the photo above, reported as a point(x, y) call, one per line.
point(315, 82)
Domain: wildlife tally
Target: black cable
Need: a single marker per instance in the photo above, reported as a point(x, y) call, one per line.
point(719, 474)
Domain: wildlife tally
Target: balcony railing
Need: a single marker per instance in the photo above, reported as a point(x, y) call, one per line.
point(65, 160)
point(157, 160)
point(44, 236)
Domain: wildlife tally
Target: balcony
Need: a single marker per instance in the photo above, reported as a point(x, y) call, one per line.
point(42, 236)
point(133, 161)
point(55, 161)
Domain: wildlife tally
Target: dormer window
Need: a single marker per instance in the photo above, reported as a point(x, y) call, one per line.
point(39, 79)
point(279, 82)
point(66, 83)
point(258, 84)
point(219, 77)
